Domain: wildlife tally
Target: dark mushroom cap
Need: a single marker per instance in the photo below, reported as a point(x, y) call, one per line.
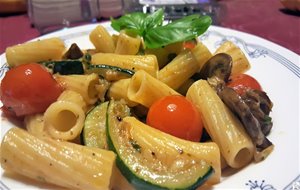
point(219, 66)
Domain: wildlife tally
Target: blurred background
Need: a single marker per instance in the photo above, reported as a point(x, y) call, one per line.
point(275, 20)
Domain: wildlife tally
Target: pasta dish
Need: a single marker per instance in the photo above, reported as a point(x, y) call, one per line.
point(150, 107)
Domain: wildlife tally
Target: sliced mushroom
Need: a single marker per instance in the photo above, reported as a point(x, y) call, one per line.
point(252, 108)
point(251, 115)
point(260, 106)
point(219, 66)
point(237, 105)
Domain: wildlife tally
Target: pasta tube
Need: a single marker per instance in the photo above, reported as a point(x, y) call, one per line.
point(35, 125)
point(62, 163)
point(118, 90)
point(64, 119)
point(240, 63)
point(102, 40)
point(183, 66)
point(223, 127)
point(127, 45)
point(147, 63)
point(35, 51)
point(145, 89)
point(85, 85)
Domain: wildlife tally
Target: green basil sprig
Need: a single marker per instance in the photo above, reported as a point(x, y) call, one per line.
point(155, 34)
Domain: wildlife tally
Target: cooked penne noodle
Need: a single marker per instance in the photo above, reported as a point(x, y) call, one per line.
point(201, 54)
point(102, 40)
point(127, 45)
point(118, 90)
point(145, 89)
point(240, 63)
point(35, 51)
point(115, 38)
point(62, 163)
point(35, 125)
point(85, 85)
point(72, 96)
point(102, 88)
point(184, 66)
point(222, 125)
point(147, 63)
point(64, 119)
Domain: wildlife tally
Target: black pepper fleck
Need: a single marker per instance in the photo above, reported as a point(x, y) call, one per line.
point(119, 118)
point(153, 154)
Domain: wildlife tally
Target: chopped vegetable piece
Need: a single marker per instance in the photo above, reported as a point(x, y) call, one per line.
point(28, 89)
point(177, 116)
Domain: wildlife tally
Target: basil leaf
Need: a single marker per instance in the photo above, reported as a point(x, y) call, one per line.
point(138, 23)
point(133, 23)
point(184, 29)
point(153, 20)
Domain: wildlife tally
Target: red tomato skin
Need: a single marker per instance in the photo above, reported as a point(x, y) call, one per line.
point(176, 116)
point(241, 82)
point(28, 89)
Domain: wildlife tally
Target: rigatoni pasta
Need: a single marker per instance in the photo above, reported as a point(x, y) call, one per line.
point(145, 89)
point(147, 63)
point(118, 91)
point(35, 51)
point(127, 45)
point(223, 127)
point(240, 63)
point(184, 65)
point(35, 125)
point(102, 40)
point(85, 85)
point(24, 153)
point(64, 118)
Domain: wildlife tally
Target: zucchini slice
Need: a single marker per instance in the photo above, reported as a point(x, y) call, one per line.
point(151, 159)
point(94, 130)
point(110, 73)
point(65, 67)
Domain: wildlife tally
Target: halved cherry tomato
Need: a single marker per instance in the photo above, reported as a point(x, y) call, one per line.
point(177, 116)
point(241, 82)
point(28, 89)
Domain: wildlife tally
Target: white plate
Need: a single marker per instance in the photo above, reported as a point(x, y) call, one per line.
point(278, 71)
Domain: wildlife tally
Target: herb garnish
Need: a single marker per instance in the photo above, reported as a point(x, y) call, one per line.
point(155, 34)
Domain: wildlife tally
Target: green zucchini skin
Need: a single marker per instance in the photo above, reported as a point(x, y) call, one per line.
point(139, 183)
point(94, 129)
point(65, 67)
point(106, 70)
point(136, 181)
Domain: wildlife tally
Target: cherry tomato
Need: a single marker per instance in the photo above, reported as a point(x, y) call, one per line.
point(241, 82)
point(190, 44)
point(177, 116)
point(28, 89)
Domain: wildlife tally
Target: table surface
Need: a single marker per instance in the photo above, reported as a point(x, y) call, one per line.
point(263, 18)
